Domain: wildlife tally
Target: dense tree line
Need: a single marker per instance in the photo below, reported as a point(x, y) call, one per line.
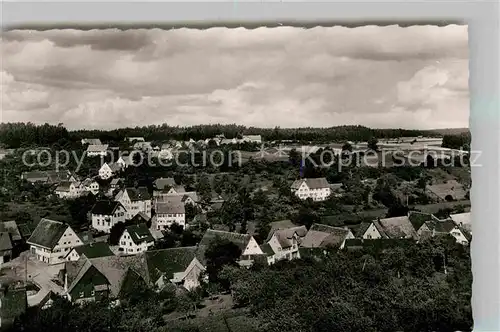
point(460, 141)
point(15, 135)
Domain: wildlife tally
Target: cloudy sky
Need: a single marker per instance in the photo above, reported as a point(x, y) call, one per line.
point(381, 77)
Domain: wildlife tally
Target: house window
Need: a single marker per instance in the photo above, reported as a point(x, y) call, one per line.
point(81, 294)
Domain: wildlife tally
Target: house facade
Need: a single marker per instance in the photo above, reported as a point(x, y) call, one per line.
point(94, 150)
point(169, 213)
point(106, 214)
point(135, 239)
point(135, 201)
point(317, 189)
point(109, 170)
point(69, 190)
point(90, 186)
point(51, 241)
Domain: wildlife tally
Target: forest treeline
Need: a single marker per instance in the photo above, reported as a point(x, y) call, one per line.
point(16, 135)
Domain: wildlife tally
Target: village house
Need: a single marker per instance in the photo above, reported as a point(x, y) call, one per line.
point(283, 243)
point(16, 239)
point(396, 228)
point(168, 213)
point(109, 170)
point(178, 266)
point(96, 279)
point(135, 200)
point(52, 240)
point(106, 214)
point(252, 139)
point(250, 249)
point(89, 185)
point(115, 184)
point(143, 146)
point(162, 186)
point(6, 247)
point(324, 236)
point(318, 189)
point(134, 139)
point(135, 239)
point(68, 190)
point(462, 220)
point(366, 231)
point(97, 150)
point(49, 177)
point(89, 250)
point(91, 141)
point(443, 228)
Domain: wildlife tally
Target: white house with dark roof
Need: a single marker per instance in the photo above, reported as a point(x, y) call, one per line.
point(324, 236)
point(247, 244)
point(106, 214)
point(445, 227)
point(68, 189)
point(135, 239)
point(366, 231)
point(318, 189)
point(89, 250)
point(89, 185)
point(283, 243)
point(97, 150)
point(168, 213)
point(51, 241)
point(109, 170)
point(135, 200)
point(178, 266)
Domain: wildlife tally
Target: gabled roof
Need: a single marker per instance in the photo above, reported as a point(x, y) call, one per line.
point(170, 208)
point(138, 194)
point(267, 249)
point(115, 182)
point(360, 229)
point(241, 240)
point(441, 226)
point(11, 228)
point(396, 227)
point(94, 250)
point(140, 217)
point(5, 242)
point(280, 224)
point(97, 148)
point(285, 236)
point(162, 183)
point(92, 141)
point(324, 236)
point(168, 261)
point(417, 219)
point(47, 233)
point(105, 208)
point(139, 233)
point(312, 183)
point(114, 269)
point(64, 186)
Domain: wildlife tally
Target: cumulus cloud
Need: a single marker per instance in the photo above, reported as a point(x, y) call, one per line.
point(414, 77)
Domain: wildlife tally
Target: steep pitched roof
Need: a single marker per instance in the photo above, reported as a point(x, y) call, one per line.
point(47, 233)
point(94, 250)
point(323, 235)
point(442, 226)
point(360, 229)
point(139, 233)
point(25, 230)
point(5, 242)
point(97, 147)
point(285, 236)
point(417, 219)
point(267, 249)
point(168, 261)
point(170, 208)
point(140, 217)
point(397, 227)
point(280, 224)
point(114, 269)
point(241, 240)
point(105, 207)
point(11, 227)
point(312, 183)
point(138, 194)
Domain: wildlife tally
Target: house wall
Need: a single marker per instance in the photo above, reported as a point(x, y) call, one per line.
point(105, 222)
point(72, 256)
point(129, 247)
point(320, 194)
point(72, 193)
point(84, 290)
point(105, 172)
point(134, 207)
point(252, 248)
point(372, 233)
point(165, 220)
point(68, 241)
point(458, 235)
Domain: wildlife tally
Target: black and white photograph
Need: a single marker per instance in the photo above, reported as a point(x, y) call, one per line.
point(224, 179)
